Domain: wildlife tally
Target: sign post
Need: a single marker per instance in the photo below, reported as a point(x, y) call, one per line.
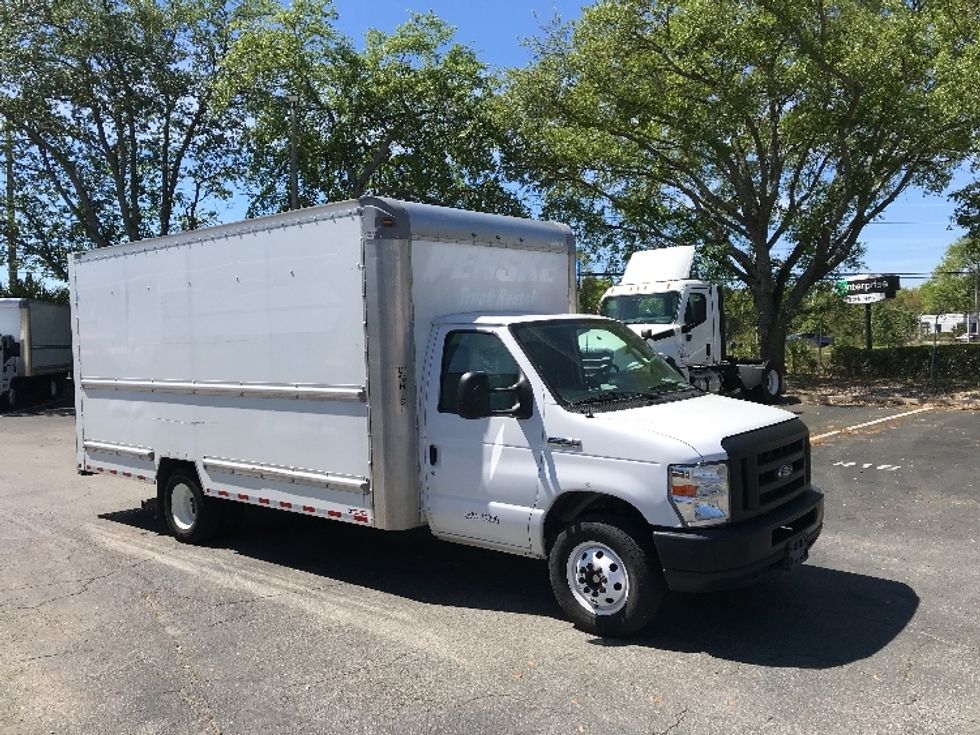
point(868, 290)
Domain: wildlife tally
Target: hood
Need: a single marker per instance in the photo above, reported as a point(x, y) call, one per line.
point(700, 422)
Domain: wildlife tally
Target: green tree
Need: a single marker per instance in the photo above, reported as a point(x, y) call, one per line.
point(770, 131)
point(954, 282)
point(409, 116)
point(589, 293)
point(113, 106)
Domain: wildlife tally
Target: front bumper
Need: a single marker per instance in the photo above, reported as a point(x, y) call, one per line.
point(706, 559)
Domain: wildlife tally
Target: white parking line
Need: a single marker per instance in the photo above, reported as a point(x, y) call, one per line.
point(868, 423)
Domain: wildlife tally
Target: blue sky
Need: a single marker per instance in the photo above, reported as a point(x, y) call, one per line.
point(915, 229)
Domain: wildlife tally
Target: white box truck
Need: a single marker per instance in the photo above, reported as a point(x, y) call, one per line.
point(35, 348)
point(397, 365)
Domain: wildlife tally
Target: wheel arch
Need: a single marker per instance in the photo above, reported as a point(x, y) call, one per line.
point(574, 504)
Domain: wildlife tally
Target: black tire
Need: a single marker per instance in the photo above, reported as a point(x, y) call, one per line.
point(198, 522)
point(771, 388)
point(645, 587)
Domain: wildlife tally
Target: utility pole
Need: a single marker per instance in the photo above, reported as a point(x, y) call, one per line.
point(11, 214)
point(293, 153)
point(976, 301)
point(867, 327)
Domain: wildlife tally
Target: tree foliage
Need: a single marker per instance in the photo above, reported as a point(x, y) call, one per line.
point(769, 131)
point(113, 104)
point(407, 116)
point(951, 288)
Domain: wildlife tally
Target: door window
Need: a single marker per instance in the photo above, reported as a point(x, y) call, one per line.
point(697, 309)
point(466, 352)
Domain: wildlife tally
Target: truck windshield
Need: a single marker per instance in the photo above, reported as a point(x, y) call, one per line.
point(592, 363)
point(646, 308)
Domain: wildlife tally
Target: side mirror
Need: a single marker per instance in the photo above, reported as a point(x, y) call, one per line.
point(473, 397)
point(662, 334)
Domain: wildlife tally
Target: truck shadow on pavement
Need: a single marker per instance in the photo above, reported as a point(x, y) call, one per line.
point(813, 617)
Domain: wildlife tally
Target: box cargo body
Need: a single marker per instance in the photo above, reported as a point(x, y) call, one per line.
point(282, 355)
point(35, 345)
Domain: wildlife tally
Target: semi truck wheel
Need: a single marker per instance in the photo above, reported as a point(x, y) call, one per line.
point(192, 518)
point(603, 577)
point(771, 386)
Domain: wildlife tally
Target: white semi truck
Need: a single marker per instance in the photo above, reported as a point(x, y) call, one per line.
point(35, 349)
point(397, 365)
point(683, 319)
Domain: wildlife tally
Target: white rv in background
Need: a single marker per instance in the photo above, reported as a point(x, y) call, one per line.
point(35, 349)
point(397, 365)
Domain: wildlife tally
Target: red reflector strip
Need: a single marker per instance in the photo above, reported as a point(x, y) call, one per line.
point(140, 477)
point(127, 474)
point(113, 472)
point(223, 493)
point(264, 501)
point(360, 518)
point(285, 504)
point(242, 496)
point(309, 509)
point(334, 513)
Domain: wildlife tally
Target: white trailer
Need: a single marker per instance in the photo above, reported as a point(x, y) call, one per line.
point(35, 348)
point(397, 365)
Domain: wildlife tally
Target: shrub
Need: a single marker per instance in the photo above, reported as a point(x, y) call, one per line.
point(952, 361)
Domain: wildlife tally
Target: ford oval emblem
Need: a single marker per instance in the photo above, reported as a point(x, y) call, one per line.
point(784, 471)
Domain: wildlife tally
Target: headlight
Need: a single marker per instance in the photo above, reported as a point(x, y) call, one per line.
point(699, 493)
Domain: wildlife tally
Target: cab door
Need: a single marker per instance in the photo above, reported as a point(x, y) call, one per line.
point(481, 475)
point(698, 333)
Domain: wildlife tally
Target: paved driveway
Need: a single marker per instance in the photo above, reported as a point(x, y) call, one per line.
point(296, 625)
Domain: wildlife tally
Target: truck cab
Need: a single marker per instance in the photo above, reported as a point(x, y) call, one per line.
point(683, 319)
point(558, 435)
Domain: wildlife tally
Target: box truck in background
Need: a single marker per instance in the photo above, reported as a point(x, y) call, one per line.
point(397, 365)
point(35, 349)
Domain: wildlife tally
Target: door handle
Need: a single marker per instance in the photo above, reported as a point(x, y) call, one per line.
point(433, 454)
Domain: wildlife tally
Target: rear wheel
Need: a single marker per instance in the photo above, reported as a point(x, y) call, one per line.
point(191, 517)
point(604, 577)
point(771, 386)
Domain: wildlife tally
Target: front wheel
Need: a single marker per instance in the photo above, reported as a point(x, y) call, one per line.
point(604, 578)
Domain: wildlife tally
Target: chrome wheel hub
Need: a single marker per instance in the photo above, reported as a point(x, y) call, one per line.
point(183, 506)
point(597, 578)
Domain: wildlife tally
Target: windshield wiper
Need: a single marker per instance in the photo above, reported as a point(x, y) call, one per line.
point(611, 396)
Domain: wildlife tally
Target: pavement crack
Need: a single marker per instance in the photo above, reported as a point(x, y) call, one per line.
point(680, 718)
point(86, 582)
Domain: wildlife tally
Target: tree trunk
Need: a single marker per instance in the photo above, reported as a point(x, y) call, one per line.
point(772, 332)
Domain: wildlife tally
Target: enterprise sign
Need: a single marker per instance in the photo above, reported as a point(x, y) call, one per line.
point(868, 289)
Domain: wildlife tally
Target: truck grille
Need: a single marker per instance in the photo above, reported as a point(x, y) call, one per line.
point(767, 467)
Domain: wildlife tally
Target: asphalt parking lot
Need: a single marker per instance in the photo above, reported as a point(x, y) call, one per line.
point(295, 625)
